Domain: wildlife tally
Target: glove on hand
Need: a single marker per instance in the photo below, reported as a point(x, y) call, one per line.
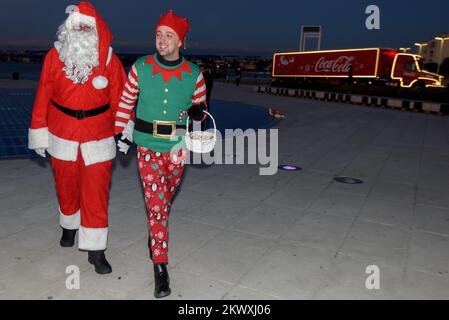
point(123, 143)
point(41, 152)
point(196, 112)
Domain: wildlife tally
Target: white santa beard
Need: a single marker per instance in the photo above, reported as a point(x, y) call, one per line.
point(79, 52)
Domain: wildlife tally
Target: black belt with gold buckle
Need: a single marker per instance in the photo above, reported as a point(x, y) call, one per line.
point(159, 129)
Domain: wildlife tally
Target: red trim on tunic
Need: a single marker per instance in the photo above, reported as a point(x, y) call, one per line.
point(167, 74)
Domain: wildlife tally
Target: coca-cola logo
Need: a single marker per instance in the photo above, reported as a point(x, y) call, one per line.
point(339, 65)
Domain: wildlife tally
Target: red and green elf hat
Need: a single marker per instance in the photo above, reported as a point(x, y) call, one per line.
point(179, 24)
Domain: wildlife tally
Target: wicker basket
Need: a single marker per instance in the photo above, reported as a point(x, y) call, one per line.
point(201, 141)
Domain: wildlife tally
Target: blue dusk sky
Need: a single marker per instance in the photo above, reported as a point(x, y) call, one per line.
point(240, 27)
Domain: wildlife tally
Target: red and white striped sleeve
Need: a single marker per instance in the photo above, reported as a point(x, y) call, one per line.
point(199, 96)
point(127, 101)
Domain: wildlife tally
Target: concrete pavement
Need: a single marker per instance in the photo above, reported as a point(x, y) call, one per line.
point(238, 235)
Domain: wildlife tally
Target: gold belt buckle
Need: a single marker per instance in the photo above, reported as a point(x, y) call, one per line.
point(165, 123)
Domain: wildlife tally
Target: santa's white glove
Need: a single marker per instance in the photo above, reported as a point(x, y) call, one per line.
point(123, 147)
point(41, 152)
point(123, 144)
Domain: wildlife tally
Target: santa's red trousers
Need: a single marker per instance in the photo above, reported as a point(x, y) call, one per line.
point(83, 199)
point(160, 174)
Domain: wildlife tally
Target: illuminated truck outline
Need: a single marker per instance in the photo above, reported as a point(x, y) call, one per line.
point(390, 65)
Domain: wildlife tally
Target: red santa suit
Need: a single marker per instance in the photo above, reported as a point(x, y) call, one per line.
point(81, 148)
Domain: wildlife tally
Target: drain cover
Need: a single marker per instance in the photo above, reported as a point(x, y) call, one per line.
point(289, 168)
point(348, 180)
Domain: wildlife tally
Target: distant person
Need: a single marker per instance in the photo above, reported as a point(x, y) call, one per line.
point(73, 119)
point(238, 77)
point(350, 74)
point(209, 81)
point(447, 92)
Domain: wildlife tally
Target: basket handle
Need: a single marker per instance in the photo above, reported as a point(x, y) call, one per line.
point(213, 121)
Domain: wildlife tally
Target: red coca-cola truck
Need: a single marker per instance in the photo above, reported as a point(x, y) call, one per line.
point(364, 66)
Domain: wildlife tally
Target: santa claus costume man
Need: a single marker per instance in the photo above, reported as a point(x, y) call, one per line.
point(73, 120)
point(166, 87)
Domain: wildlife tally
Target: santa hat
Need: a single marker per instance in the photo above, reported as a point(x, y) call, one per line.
point(85, 13)
point(179, 24)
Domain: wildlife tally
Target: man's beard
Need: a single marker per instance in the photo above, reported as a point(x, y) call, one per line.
point(79, 52)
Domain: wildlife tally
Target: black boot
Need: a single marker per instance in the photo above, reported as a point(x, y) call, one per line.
point(68, 238)
point(98, 259)
point(161, 281)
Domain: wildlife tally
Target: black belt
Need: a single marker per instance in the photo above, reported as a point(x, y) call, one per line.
point(147, 127)
point(81, 114)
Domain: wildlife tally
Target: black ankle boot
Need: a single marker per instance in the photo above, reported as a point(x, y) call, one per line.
point(98, 259)
point(161, 281)
point(68, 238)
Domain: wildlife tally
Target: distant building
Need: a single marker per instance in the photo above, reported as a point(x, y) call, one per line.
point(435, 53)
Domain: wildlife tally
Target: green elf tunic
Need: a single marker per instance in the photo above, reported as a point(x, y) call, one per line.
point(162, 93)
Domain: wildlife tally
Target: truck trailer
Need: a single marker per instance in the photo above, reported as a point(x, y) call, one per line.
point(373, 66)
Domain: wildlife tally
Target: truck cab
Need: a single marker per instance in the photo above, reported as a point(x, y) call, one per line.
point(407, 70)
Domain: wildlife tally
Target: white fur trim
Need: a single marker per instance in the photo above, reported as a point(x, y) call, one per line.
point(70, 9)
point(75, 18)
point(62, 149)
point(38, 138)
point(100, 82)
point(98, 151)
point(92, 238)
point(109, 56)
point(71, 222)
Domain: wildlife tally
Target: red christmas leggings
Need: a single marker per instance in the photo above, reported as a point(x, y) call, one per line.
point(160, 173)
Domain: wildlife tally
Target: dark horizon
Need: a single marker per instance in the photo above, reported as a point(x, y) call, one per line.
point(237, 28)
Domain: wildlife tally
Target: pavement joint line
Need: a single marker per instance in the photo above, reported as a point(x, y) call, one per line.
point(415, 200)
point(356, 218)
point(202, 245)
point(439, 234)
point(255, 290)
point(251, 267)
point(430, 273)
point(201, 222)
point(12, 234)
point(203, 275)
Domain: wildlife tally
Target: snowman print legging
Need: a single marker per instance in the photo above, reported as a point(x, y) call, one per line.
point(160, 174)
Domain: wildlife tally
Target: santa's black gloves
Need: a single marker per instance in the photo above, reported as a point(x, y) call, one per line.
point(196, 112)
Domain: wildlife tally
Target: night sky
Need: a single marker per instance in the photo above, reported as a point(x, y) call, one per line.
point(238, 27)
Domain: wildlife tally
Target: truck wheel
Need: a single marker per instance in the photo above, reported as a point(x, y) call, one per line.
point(419, 85)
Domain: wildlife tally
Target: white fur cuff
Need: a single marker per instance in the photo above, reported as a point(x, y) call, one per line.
point(63, 149)
point(98, 151)
point(92, 238)
point(38, 138)
point(69, 222)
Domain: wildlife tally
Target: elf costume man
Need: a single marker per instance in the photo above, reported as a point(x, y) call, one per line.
point(166, 87)
point(73, 120)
